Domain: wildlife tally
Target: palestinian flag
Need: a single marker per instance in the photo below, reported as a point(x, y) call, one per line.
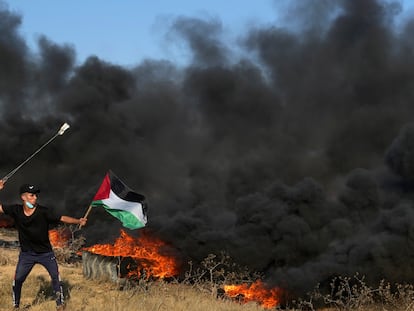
point(121, 202)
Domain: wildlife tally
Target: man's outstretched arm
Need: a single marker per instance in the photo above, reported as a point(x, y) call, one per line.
point(73, 221)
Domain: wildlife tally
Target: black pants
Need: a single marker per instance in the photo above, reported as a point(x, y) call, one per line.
point(25, 264)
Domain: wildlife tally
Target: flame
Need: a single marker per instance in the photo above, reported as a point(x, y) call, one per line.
point(6, 222)
point(257, 291)
point(59, 238)
point(145, 250)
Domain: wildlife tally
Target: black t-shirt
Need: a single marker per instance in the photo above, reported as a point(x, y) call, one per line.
point(34, 229)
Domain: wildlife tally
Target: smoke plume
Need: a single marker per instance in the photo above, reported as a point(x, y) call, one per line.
point(295, 156)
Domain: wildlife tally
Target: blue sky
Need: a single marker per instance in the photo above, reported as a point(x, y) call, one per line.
point(125, 32)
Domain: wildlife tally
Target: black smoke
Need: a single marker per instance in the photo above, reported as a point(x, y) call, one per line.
point(295, 156)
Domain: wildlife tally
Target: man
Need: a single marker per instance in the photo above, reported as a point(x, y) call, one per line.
point(32, 222)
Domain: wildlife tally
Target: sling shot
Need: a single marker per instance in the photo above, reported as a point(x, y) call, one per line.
point(62, 129)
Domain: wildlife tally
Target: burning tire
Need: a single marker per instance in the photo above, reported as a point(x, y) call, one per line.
point(99, 267)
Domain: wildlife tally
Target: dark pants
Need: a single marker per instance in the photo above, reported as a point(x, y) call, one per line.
point(25, 264)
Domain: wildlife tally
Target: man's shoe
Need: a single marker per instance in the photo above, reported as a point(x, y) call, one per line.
point(60, 308)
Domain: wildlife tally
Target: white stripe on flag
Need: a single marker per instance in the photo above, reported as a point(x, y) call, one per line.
point(116, 203)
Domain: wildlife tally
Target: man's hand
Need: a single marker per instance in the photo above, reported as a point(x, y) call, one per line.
point(82, 221)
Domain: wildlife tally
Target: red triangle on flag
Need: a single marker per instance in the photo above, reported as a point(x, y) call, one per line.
point(104, 189)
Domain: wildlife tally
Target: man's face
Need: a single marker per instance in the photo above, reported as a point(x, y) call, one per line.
point(29, 197)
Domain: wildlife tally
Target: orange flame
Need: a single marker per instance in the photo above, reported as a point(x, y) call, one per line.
point(257, 291)
point(59, 238)
point(145, 250)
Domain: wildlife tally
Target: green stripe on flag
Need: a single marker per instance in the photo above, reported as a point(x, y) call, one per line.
point(128, 220)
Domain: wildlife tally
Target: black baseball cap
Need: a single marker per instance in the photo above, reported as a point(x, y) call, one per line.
point(29, 188)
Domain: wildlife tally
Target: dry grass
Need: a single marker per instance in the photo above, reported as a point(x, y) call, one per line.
point(196, 293)
point(90, 295)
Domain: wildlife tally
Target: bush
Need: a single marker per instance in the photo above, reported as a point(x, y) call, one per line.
point(353, 293)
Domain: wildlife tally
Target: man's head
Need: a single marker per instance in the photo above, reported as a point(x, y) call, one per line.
point(29, 188)
point(28, 193)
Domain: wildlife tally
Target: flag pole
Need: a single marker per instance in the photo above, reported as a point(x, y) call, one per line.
point(86, 215)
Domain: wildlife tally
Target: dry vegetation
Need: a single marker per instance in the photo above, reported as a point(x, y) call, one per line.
point(195, 293)
point(91, 295)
